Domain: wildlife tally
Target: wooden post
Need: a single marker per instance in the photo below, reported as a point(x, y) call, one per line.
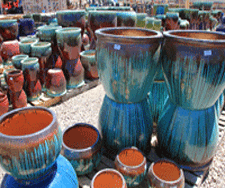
point(187, 5)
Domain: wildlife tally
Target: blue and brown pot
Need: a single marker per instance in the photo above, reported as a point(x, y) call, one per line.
point(69, 44)
point(8, 29)
point(31, 141)
point(194, 69)
point(126, 18)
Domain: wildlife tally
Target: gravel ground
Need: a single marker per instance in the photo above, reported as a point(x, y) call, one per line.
point(85, 108)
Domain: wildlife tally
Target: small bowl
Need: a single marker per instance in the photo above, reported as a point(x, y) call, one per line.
point(132, 164)
point(82, 147)
point(108, 178)
point(166, 173)
point(16, 60)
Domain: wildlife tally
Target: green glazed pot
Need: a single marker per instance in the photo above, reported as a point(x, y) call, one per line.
point(149, 22)
point(157, 24)
point(141, 17)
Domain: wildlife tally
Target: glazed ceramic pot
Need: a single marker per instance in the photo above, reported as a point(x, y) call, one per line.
point(194, 70)
point(69, 44)
point(172, 21)
point(61, 175)
point(16, 60)
point(4, 104)
point(55, 83)
point(141, 18)
point(32, 85)
point(126, 18)
point(8, 29)
point(43, 51)
point(100, 19)
point(193, 19)
point(9, 49)
point(203, 20)
point(221, 27)
point(89, 63)
point(149, 22)
point(82, 147)
point(160, 8)
point(48, 34)
point(126, 84)
point(25, 45)
point(165, 173)
point(26, 27)
point(131, 163)
point(30, 143)
point(108, 178)
point(157, 25)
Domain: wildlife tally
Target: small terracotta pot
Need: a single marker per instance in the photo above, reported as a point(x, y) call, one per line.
point(15, 80)
point(108, 178)
point(4, 104)
point(165, 173)
point(16, 60)
point(82, 147)
point(132, 164)
point(19, 99)
point(55, 82)
point(9, 49)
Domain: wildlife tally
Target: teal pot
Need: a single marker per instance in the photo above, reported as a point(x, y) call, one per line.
point(100, 19)
point(43, 51)
point(141, 18)
point(25, 45)
point(89, 63)
point(69, 44)
point(172, 21)
point(125, 125)
point(127, 62)
point(16, 60)
point(219, 105)
point(30, 145)
point(8, 29)
point(157, 25)
point(149, 23)
point(126, 18)
point(32, 85)
point(62, 175)
point(82, 147)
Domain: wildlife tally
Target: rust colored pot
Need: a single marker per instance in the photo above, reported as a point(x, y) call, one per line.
point(15, 80)
point(4, 104)
point(55, 82)
point(9, 49)
point(19, 99)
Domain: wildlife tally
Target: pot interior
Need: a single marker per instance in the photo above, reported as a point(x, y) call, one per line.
point(14, 72)
point(131, 157)
point(130, 32)
point(80, 137)
point(205, 36)
point(166, 170)
point(25, 122)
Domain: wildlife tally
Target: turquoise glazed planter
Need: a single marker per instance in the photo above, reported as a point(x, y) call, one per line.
point(25, 45)
point(16, 60)
point(194, 69)
point(8, 29)
point(29, 154)
point(69, 44)
point(141, 18)
point(126, 18)
point(82, 147)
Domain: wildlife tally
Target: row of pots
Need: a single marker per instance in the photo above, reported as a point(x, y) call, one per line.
point(34, 136)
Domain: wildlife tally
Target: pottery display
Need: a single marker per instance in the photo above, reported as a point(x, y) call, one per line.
point(32, 84)
point(127, 63)
point(82, 147)
point(126, 18)
point(131, 163)
point(16, 60)
point(30, 143)
point(69, 44)
point(89, 63)
point(25, 45)
point(165, 173)
point(43, 51)
point(194, 70)
point(9, 49)
point(55, 83)
point(108, 178)
point(4, 104)
point(8, 29)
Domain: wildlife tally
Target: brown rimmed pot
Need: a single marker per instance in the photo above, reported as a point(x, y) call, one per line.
point(108, 178)
point(165, 173)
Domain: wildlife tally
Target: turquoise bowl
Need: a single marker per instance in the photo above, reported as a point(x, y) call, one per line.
point(41, 49)
point(126, 18)
point(16, 60)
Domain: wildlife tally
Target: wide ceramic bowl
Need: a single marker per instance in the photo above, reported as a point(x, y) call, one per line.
point(30, 142)
point(82, 147)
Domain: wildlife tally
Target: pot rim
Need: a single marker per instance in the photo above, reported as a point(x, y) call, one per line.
point(49, 28)
point(2, 97)
point(108, 170)
point(131, 167)
point(18, 73)
point(84, 149)
point(164, 181)
point(100, 32)
point(32, 40)
point(15, 111)
point(169, 34)
point(36, 44)
point(20, 57)
point(87, 52)
point(29, 61)
point(70, 11)
point(66, 30)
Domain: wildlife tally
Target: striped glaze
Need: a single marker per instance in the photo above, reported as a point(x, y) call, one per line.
point(30, 156)
point(188, 137)
point(125, 125)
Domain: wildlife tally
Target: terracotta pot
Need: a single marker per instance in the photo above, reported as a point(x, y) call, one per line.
point(108, 178)
point(82, 147)
point(18, 99)
point(9, 49)
point(4, 104)
point(89, 63)
point(131, 163)
point(15, 80)
point(8, 29)
point(16, 60)
point(166, 174)
point(55, 82)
